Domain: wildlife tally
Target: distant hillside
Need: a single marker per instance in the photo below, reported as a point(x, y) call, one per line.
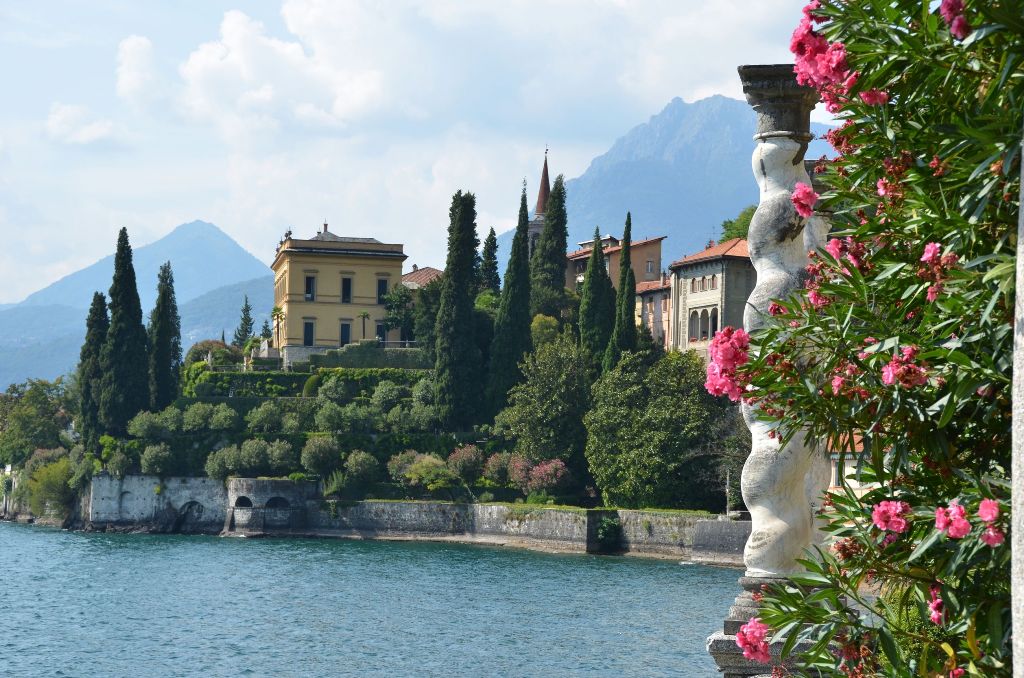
point(212, 275)
point(680, 174)
point(202, 256)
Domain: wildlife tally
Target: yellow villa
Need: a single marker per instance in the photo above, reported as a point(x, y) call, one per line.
point(330, 290)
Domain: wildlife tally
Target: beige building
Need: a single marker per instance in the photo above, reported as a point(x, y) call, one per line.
point(644, 255)
point(709, 291)
point(654, 308)
point(331, 291)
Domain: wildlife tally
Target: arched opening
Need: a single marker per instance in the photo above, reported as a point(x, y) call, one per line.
point(705, 325)
point(714, 322)
point(277, 503)
point(714, 282)
point(243, 502)
point(694, 326)
point(190, 515)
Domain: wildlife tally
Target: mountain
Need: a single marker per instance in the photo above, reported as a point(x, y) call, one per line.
point(680, 174)
point(203, 257)
point(212, 275)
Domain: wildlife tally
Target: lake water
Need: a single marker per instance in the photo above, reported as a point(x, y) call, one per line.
point(77, 604)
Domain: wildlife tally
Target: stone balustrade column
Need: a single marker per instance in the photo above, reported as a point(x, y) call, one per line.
point(781, 485)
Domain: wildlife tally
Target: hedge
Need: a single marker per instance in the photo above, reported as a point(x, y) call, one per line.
point(370, 354)
point(362, 381)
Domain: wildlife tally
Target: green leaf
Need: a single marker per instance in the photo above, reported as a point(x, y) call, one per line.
point(928, 542)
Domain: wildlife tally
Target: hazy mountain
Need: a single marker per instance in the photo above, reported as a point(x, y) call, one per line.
point(202, 256)
point(212, 275)
point(681, 174)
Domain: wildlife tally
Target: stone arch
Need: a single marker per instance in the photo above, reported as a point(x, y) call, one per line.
point(694, 328)
point(190, 515)
point(705, 325)
point(243, 502)
point(278, 503)
point(714, 322)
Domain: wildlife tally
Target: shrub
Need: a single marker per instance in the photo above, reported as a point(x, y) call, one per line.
point(223, 354)
point(431, 473)
point(49, 488)
point(387, 395)
point(312, 386)
point(147, 426)
point(197, 417)
point(609, 534)
point(423, 392)
point(330, 418)
point(361, 469)
point(291, 423)
point(421, 417)
point(360, 418)
point(547, 476)
point(265, 418)
point(399, 464)
point(221, 463)
point(467, 462)
point(335, 388)
point(223, 418)
point(543, 330)
point(157, 460)
point(281, 457)
point(496, 468)
point(253, 458)
point(485, 497)
point(320, 455)
point(519, 471)
point(172, 419)
point(334, 484)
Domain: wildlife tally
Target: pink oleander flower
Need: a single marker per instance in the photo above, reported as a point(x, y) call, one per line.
point(953, 521)
point(889, 515)
point(817, 299)
point(837, 384)
point(932, 252)
point(956, 673)
point(988, 510)
point(727, 351)
point(935, 606)
point(875, 97)
point(752, 639)
point(951, 9)
point(993, 536)
point(775, 308)
point(960, 28)
point(933, 292)
point(803, 199)
point(903, 370)
point(835, 248)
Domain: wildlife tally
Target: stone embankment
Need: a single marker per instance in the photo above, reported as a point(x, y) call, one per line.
point(264, 507)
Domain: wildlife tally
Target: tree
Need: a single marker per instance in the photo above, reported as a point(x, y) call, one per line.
point(164, 342)
point(457, 366)
point(597, 305)
point(512, 324)
point(398, 311)
point(245, 325)
point(265, 331)
point(90, 373)
point(424, 323)
point(34, 415)
point(277, 315)
point(547, 268)
point(545, 412)
point(125, 385)
point(737, 227)
point(543, 330)
point(650, 434)
point(489, 279)
point(623, 337)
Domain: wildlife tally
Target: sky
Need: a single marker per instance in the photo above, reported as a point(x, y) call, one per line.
point(261, 116)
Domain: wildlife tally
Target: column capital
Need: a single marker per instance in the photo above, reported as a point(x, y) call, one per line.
point(783, 107)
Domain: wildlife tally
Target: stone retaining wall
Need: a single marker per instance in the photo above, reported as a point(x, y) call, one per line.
point(720, 542)
point(163, 505)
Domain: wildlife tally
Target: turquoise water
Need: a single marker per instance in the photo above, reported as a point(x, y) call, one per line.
point(131, 605)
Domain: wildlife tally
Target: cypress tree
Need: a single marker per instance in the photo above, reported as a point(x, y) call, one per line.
point(457, 370)
point(125, 384)
point(164, 342)
point(245, 325)
point(547, 268)
point(90, 373)
point(624, 334)
point(512, 325)
point(597, 305)
point(265, 331)
point(489, 279)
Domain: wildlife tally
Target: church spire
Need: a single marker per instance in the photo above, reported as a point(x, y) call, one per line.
point(545, 187)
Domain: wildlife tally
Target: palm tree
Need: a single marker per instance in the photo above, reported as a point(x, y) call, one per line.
point(277, 315)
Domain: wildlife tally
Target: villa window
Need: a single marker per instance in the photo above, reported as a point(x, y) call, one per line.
point(382, 289)
point(714, 282)
point(307, 332)
point(310, 288)
point(650, 265)
point(382, 334)
point(346, 333)
point(346, 290)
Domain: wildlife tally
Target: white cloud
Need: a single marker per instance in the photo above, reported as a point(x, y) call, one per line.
point(76, 125)
point(136, 78)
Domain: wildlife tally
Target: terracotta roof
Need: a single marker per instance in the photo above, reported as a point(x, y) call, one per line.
point(545, 188)
point(421, 277)
point(584, 253)
point(737, 247)
point(653, 285)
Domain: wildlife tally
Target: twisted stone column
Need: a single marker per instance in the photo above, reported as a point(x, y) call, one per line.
point(780, 484)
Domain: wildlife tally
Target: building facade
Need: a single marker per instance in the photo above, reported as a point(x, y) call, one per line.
point(330, 290)
point(644, 255)
point(654, 308)
point(709, 290)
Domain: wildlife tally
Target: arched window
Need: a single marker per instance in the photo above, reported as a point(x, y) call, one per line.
point(694, 326)
point(705, 326)
point(714, 282)
point(714, 322)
